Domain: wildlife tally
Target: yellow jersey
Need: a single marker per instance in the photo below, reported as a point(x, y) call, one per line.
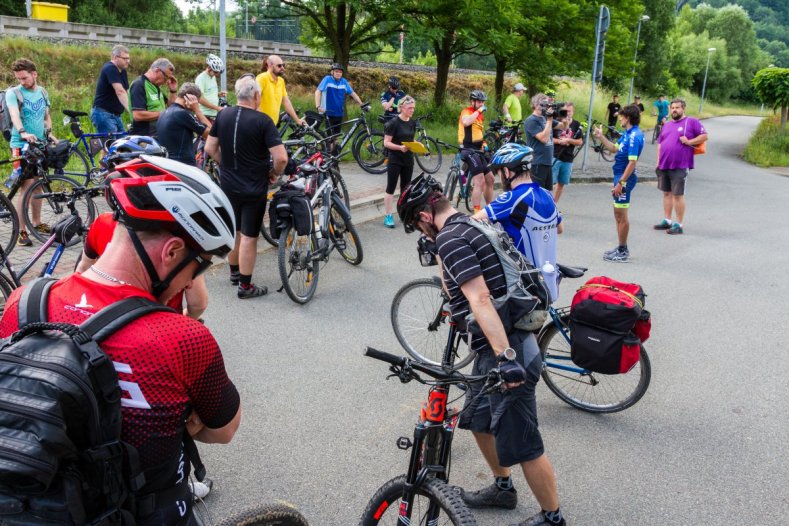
point(271, 95)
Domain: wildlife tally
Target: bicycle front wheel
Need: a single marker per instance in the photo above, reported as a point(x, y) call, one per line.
point(266, 515)
point(340, 187)
point(606, 154)
point(430, 162)
point(420, 319)
point(588, 391)
point(435, 503)
point(344, 236)
point(9, 224)
point(655, 134)
point(451, 184)
point(368, 150)
point(298, 267)
point(53, 206)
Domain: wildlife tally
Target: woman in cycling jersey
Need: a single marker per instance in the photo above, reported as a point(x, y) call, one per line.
point(398, 130)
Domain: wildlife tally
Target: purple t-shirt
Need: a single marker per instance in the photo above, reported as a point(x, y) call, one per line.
point(673, 154)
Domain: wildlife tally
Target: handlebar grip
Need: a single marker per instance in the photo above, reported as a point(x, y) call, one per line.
point(384, 356)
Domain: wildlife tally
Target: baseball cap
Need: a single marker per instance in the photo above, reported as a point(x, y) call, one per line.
point(518, 87)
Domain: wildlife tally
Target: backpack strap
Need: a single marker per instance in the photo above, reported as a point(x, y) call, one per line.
point(33, 303)
point(119, 314)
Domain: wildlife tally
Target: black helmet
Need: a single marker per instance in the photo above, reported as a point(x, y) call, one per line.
point(478, 94)
point(394, 82)
point(414, 197)
point(337, 65)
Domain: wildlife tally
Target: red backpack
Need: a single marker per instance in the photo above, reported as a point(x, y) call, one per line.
point(608, 323)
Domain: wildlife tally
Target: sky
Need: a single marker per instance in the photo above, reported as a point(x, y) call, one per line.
point(184, 5)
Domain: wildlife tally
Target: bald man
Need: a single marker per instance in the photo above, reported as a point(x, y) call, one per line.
point(272, 91)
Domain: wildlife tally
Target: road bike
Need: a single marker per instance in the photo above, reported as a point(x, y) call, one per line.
point(420, 316)
point(367, 145)
point(63, 233)
point(597, 145)
point(81, 165)
point(423, 495)
point(300, 256)
point(430, 160)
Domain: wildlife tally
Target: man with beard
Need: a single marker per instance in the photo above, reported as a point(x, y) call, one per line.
point(273, 93)
point(675, 157)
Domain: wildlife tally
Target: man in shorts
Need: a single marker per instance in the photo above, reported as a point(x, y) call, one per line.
point(675, 158)
point(247, 146)
point(566, 137)
point(627, 150)
point(471, 129)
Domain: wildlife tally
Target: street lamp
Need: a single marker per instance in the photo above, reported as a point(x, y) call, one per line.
point(704, 86)
point(643, 18)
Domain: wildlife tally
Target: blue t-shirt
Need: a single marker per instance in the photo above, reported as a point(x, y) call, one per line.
point(333, 95)
point(629, 147)
point(529, 215)
point(387, 95)
point(33, 113)
point(105, 97)
point(662, 108)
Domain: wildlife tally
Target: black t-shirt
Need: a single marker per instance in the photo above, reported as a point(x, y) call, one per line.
point(563, 152)
point(613, 111)
point(466, 253)
point(176, 128)
point(401, 131)
point(640, 107)
point(105, 97)
point(245, 138)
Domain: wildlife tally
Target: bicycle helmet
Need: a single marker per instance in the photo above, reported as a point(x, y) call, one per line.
point(422, 190)
point(337, 65)
point(513, 156)
point(215, 63)
point(394, 83)
point(126, 147)
point(478, 94)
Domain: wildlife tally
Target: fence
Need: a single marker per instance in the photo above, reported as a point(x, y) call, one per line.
point(277, 30)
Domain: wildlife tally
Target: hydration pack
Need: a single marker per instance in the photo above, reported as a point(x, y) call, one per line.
point(62, 460)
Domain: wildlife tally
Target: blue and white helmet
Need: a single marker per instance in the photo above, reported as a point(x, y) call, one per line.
point(516, 157)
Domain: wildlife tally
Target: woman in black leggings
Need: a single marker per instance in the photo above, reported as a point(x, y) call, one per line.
point(398, 130)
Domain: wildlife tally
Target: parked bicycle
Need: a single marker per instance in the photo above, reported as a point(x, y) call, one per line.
point(82, 166)
point(418, 328)
point(300, 256)
point(459, 179)
point(500, 133)
point(429, 160)
point(367, 145)
point(611, 133)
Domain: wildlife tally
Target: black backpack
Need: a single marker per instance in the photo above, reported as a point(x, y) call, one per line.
point(61, 457)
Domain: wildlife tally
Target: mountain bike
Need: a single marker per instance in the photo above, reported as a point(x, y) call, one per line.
point(63, 233)
point(81, 164)
point(500, 133)
point(423, 495)
point(204, 161)
point(430, 161)
point(459, 179)
point(300, 256)
point(260, 515)
point(417, 327)
point(367, 145)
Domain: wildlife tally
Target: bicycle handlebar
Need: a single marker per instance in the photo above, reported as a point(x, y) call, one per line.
point(402, 367)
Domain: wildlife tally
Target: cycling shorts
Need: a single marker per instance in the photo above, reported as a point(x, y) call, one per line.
point(476, 162)
point(623, 201)
point(249, 214)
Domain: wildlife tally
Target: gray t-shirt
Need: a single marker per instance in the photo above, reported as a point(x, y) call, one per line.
point(543, 153)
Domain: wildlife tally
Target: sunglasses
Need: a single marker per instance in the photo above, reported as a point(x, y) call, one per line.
point(280, 66)
point(203, 264)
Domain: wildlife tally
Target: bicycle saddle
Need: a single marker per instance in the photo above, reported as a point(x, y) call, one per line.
point(571, 272)
point(74, 114)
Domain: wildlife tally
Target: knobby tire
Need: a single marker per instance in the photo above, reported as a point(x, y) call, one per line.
point(266, 515)
point(53, 208)
point(429, 162)
point(298, 268)
point(344, 233)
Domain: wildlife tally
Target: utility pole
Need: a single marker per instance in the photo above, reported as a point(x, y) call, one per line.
point(704, 86)
point(603, 21)
point(644, 18)
point(223, 44)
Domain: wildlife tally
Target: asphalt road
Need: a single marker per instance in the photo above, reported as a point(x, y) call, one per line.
point(706, 445)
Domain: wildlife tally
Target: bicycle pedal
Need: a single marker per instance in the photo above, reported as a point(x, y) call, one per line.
point(404, 443)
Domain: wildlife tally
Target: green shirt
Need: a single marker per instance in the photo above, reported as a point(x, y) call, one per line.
point(513, 103)
point(208, 86)
point(33, 113)
point(144, 95)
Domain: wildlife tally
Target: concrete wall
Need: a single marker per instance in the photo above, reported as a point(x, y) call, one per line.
point(45, 29)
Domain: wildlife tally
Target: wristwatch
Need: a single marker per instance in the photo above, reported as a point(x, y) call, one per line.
point(507, 355)
point(21, 131)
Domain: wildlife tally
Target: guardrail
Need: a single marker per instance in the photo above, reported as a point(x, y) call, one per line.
point(49, 30)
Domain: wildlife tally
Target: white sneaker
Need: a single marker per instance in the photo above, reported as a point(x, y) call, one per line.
point(200, 490)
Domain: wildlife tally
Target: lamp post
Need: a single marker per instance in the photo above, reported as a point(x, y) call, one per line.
point(643, 18)
point(704, 85)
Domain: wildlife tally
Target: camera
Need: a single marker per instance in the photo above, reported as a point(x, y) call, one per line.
point(553, 109)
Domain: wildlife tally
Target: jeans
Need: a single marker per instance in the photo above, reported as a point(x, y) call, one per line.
point(106, 122)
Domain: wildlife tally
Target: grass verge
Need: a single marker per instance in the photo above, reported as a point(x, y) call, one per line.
point(769, 145)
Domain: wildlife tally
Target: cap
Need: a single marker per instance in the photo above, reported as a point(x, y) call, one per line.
point(637, 97)
point(518, 87)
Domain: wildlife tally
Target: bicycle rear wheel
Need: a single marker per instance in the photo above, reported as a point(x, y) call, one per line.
point(298, 269)
point(588, 391)
point(420, 319)
point(344, 235)
point(77, 168)
point(451, 184)
point(368, 150)
point(9, 224)
point(340, 187)
point(430, 162)
point(58, 191)
point(266, 515)
point(432, 496)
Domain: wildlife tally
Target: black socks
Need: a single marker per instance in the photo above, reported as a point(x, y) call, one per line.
point(504, 483)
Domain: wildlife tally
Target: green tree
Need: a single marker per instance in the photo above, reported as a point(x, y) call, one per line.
point(772, 87)
point(12, 8)
point(162, 15)
point(652, 69)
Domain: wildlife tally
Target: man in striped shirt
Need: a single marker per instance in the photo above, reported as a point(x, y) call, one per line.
point(504, 424)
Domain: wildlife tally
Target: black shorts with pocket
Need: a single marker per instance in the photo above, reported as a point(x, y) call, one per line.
point(249, 212)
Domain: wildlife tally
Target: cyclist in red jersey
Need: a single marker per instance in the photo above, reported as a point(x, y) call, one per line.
point(96, 241)
point(170, 367)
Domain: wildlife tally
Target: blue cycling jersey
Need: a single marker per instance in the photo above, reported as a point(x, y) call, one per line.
point(629, 147)
point(662, 109)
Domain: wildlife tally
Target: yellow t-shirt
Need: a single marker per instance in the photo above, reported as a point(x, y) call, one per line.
point(471, 136)
point(271, 95)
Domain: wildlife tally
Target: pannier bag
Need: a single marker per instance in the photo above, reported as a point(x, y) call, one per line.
point(290, 204)
point(58, 154)
point(608, 323)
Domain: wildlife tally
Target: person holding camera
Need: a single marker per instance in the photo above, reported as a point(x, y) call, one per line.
point(471, 128)
point(566, 137)
point(538, 128)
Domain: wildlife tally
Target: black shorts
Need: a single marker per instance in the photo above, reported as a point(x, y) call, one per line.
point(543, 175)
point(395, 173)
point(333, 125)
point(249, 214)
point(510, 416)
point(477, 164)
point(672, 180)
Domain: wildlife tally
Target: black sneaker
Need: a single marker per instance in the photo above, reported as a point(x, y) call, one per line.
point(252, 292)
point(491, 497)
point(539, 520)
point(24, 240)
point(235, 277)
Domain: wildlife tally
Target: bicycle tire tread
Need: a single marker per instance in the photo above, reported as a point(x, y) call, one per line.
point(266, 515)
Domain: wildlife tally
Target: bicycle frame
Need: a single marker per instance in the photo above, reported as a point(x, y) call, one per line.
point(84, 138)
point(46, 272)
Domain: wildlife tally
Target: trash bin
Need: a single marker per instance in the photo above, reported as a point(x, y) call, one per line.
point(49, 11)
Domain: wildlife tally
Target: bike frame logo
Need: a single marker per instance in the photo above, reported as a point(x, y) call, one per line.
point(437, 405)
